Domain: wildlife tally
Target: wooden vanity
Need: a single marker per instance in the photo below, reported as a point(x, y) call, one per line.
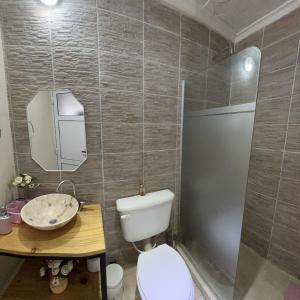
point(83, 237)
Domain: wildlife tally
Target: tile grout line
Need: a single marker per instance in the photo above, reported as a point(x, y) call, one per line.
point(170, 124)
point(116, 153)
point(142, 179)
point(143, 21)
point(264, 73)
point(262, 40)
point(101, 117)
point(180, 103)
point(273, 99)
point(284, 148)
point(279, 150)
point(288, 252)
point(147, 176)
point(119, 91)
point(52, 66)
point(267, 149)
point(207, 67)
point(280, 40)
point(262, 195)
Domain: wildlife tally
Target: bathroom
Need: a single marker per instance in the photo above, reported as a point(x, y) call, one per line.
point(189, 106)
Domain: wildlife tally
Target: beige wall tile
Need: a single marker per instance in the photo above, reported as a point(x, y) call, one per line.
point(193, 56)
point(291, 165)
point(293, 138)
point(289, 191)
point(121, 72)
point(288, 215)
point(122, 137)
point(282, 28)
point(122, 166)
point(160, 137)
point(73, 26)
point(130, 8)
point(260, 204)
point(218, 42)
point(160, 182)
point(285, 260)
point(295, 110)
point(159, 162)
point(280, 55)
point(276, 84)
point(254, 39)
point(88, 172)
point(120, 189)
point(255, 242)
point(27, 165)
point(75, 67)
point(194, 31)
point(162, 16)
point(121, 106)
point(161, 46)
point(120, 34)
point(274, 111)
point(160, 79)
point(257, 224)
point(160, 109)
point(269, 136)
point(285, 238)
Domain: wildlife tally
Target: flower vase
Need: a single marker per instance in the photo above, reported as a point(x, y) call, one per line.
point(23, 196)
point(58, 285)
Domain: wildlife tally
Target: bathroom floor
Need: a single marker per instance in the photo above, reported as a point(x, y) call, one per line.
point(130, 289)
point(257, 278)
point(208, 270)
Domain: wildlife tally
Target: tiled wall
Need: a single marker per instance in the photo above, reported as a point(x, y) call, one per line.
point(272, 218)
point(124, 61)
point(7, 170)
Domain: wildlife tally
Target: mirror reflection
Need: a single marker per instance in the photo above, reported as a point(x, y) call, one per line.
point(56, 128)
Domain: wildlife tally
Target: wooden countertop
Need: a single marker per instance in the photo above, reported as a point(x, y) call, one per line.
point(82, 237)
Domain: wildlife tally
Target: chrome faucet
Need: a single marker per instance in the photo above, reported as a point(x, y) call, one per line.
point(80, 204)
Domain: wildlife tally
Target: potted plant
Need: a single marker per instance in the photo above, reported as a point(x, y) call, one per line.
point(57, 272)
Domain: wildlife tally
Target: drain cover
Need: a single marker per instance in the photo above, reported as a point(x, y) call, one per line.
point(53, 221)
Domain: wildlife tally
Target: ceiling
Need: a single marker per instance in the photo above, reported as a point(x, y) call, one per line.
point(236, 19)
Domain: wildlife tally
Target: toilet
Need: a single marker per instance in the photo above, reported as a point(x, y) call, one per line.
point(161, 271)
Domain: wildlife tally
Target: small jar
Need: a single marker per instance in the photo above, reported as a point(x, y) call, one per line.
point(5, 222)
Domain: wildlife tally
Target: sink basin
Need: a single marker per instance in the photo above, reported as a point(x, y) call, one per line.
point(50, 211)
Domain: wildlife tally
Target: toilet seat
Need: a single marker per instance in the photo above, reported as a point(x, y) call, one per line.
point(162, 274)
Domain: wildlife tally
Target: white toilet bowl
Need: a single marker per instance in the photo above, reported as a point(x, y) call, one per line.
point(162, 274)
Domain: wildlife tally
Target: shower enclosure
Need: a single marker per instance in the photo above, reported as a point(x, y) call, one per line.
point(216, 146)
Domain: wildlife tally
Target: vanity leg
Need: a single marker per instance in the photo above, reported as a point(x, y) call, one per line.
point(103, 276)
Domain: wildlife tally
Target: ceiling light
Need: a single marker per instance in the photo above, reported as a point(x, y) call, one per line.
point(49, 2)
point(249, 64)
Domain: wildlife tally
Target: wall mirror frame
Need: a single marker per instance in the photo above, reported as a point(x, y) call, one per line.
point(56, 128)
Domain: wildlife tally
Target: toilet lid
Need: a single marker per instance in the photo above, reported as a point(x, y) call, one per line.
point(162, 274)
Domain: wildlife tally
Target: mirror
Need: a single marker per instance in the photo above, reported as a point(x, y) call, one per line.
point(56, 129)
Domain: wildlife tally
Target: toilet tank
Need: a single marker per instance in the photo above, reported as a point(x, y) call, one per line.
point(145, 216)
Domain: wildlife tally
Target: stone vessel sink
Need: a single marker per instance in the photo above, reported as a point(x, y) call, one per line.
point(50, 211)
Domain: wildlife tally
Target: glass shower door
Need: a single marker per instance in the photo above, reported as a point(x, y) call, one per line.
point(215, 160)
